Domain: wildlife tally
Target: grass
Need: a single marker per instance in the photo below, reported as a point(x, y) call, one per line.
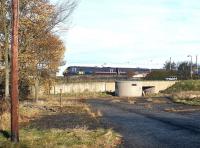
point(181, 110)
point(46, 124)
point(187, 85)
point(63, 138)
point(185, 92)
point(86, 94)
point(4, 114)
point(195, 101)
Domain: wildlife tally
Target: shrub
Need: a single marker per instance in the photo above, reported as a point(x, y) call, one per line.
point(187, 85)
point(160, 75)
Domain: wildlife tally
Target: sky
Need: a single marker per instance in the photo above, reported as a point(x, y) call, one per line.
point(132, 33)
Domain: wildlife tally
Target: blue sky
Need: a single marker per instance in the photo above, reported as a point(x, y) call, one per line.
point(132, 33)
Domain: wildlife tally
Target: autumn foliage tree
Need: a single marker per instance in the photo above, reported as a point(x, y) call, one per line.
point(5, 22)
point(41, 50)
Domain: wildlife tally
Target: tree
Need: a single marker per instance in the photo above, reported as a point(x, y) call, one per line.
point(160, 75)
point(170, 65)
point(41, 50)
point(5, 39)
point(184, 70)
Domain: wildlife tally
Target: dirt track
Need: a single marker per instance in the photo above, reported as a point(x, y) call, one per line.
point(152, 124)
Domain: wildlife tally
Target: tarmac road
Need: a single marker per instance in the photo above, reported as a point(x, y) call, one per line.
point(146, 124)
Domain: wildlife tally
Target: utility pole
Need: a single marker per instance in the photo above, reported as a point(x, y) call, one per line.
point(190, 66)
point(170, 66)
point(14, 73)
point(197, 68)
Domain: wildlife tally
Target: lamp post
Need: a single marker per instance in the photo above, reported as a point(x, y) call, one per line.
point(150, 65)
point(190, 66)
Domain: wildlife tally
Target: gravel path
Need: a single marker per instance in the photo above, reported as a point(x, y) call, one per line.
point(146, 124)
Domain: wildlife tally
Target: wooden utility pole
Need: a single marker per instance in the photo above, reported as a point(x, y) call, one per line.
point(14, 73)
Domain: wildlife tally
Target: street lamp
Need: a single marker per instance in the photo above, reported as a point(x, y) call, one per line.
point(197, 68)
point(170, 62)
point(151, 65)
point(190, 66)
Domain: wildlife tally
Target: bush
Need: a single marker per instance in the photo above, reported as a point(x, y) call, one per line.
point(160, 75)
point(187, 85)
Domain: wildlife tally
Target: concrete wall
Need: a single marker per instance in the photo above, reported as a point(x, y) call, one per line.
point(106, 86)
point(81, 87)
point(159, 85)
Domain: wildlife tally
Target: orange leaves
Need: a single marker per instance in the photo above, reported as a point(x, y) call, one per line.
point(40, 49)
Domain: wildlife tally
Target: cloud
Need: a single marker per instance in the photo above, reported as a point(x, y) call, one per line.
point(118, 31)
point(98, 38)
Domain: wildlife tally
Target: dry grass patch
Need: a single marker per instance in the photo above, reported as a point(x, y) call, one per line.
point(85, 95)
point(181, 110)
point(5, 121)
point(187, 97)
point(74, 125)
point(93, 113)
point(4, 114)
point(76, 138)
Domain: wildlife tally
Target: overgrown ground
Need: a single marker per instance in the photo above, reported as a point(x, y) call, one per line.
point(187, 85)
point(87, 94)
point(47, 124)
point(186, 92)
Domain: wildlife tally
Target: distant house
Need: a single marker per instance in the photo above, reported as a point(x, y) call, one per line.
point(139, 76)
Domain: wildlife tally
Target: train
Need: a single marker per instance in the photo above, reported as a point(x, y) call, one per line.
point(84, 70)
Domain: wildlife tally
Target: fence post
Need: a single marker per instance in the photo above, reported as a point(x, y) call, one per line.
point(60, 98)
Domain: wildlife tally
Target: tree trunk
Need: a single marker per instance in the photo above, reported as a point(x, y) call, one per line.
point(7, 65)
point(7, 68)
